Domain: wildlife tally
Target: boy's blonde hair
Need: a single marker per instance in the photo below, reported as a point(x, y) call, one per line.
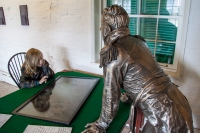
point(32, 59)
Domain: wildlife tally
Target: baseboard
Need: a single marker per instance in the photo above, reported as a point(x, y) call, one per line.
point(5, 77)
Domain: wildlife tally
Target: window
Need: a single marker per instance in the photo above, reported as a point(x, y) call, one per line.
point(163, 24)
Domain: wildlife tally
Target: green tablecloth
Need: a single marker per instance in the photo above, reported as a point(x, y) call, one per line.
point(89, 111)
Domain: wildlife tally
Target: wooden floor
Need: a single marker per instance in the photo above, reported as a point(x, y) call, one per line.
point(6, 89)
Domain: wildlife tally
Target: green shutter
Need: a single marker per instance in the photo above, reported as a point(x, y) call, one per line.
point(149, 7)
point(134, 7)
point(148, 28)
point(166, 30)
point(108, 3)
point(170, 7)
point(133, 26)
point(163, 8)
point(165, 52)
point(151, 46)
point(131, 6)
point(112, 2)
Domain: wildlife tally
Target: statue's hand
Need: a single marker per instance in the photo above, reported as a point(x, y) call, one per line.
point(92, 128)
point(124, 97)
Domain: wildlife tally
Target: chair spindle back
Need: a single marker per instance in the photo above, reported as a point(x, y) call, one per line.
point(14, 66)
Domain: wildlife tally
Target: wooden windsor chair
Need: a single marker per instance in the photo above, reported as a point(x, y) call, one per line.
point(14, 67)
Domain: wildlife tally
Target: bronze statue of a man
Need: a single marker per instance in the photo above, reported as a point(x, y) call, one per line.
point(128, 63)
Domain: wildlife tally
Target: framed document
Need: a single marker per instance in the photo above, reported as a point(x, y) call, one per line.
point(24, 14)
point(2, 17)
point(59, 101)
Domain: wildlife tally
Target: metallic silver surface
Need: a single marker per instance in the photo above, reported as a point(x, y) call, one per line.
point(136, 70)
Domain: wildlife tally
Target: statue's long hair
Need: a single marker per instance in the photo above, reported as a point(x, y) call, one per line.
point(115, 22)
point(116, 17)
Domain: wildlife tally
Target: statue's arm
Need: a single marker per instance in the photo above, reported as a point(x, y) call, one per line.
point(111, 95)
point(110, 99)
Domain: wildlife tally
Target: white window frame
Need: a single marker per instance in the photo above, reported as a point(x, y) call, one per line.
point(174, 70)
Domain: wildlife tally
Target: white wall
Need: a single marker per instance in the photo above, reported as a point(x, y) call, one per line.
point(190, 83)
point(62, 30)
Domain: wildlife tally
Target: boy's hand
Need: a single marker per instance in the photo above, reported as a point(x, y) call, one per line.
point(44, 79)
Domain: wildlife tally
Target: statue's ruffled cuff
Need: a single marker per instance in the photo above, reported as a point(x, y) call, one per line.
point(102, 125)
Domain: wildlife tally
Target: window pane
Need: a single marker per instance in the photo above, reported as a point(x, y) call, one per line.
point(151, 46)
point(129, 5)
point(167, 29)
point(162, 46)
point(170, 7)
point(133, 26)
point(149, 7)
point(112, 2)
point(165, 52)
point(148, 28)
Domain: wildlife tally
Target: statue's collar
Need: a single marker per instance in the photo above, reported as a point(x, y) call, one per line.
point(109, 53)
point(113, 36)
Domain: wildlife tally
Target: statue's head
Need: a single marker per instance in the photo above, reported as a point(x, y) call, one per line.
point(113, 17)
